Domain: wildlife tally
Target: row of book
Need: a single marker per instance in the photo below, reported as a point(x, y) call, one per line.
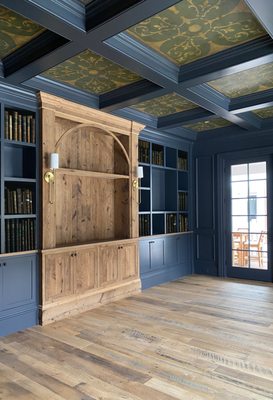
point(182, 163)
point(20, 235)
point(18, 201)
point(158, 156)
point(183, 201)
point(144, 151)
point(144, 225)
point(20, 127)
point(183, 223)
point(171, 226)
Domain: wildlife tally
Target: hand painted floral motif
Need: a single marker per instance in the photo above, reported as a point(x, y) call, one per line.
point(208, 125)
point(246, 82)
point(92, 73)
point(193, 29)
point(165, 105)
point(15, 31)
point(264, 112)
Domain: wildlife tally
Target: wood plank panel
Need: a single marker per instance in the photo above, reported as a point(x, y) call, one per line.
point(198, 338)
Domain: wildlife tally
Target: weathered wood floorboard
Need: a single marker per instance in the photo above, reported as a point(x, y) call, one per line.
point(196, 338)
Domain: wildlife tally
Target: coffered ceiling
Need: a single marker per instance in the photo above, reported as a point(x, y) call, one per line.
point(189, 67)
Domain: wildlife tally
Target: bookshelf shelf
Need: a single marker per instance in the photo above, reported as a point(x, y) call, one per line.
point(91, 174)
point(18, 143)
point(18, 216)
point(17, 179)
point(164, 189)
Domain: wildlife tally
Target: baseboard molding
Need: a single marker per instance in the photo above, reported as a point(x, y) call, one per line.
point(160, 276)
point(18, 321)
point(71, 306)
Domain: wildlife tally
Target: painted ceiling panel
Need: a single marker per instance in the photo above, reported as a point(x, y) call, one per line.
point(264, 112)
point(92, 73)
point(246, 82)
point(165, 105)
point(193, 29)
point(208, 125)
point(15, 31)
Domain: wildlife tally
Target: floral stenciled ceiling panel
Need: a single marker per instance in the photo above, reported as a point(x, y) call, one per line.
point(246, 82)
point(15, 31)
point(208, 125)
point(193, 29)
point(165, 105)
point(92, 73)
point(264, 112)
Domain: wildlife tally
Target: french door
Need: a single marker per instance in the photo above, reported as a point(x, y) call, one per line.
point(248, 220)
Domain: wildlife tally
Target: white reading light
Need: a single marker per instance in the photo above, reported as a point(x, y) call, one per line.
point(54, 161)
point(140, 173)
point(49, 175)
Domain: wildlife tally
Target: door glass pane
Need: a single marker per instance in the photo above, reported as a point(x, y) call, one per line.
point(257, 171)
point(239, 224)
point(257, 188)
point(240, 207)
point(239, 172)
point(239, 189)
point(249, 216)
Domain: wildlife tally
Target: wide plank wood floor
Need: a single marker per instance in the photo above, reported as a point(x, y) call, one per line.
point(196, 338)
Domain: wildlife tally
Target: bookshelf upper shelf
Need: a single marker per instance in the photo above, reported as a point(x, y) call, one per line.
point(91, 174)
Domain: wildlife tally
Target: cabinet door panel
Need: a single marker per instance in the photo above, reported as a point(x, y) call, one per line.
point(157, 253)
point(128, 261)
point(108, 265)
point(18, 281)
point(58, 276)
point(85, 270)
point(144, 254)
point(171, 251)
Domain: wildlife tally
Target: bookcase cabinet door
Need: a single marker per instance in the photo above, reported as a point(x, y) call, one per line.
point(127, 260)
point(85, 270)
point(108, 265)
point(19, 282)
point(58, 276)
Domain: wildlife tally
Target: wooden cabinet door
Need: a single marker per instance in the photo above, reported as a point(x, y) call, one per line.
point(128, 261)
point(85, 270)
point(58, 276)
point(108, 265)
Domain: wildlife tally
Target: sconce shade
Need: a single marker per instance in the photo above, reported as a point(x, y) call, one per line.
point(140, 172)
point(54, 160)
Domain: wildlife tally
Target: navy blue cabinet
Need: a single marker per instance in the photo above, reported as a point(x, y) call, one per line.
point(164, 259)
point(18, 293)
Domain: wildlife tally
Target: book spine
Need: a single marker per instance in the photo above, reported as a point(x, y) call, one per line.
point(7, 226)
point(20, 127)
point(6, 135)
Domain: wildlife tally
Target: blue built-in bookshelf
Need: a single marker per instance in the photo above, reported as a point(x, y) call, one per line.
point(164, 190)
point(164, 210)
point(19, 212)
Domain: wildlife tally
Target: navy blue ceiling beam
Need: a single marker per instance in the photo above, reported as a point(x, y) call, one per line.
point(201, 96)
point(183, 117)
point(130, 94)
point(67, 18)
point(45, 62)
point(263, 10)
point(251, 102)
point(127, 14)
point(227, 62)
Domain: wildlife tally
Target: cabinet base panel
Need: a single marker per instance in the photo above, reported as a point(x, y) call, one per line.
point(164, 275)
point(18, 322)
point(77, 304)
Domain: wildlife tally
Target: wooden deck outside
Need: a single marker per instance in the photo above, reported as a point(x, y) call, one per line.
point(196, 338)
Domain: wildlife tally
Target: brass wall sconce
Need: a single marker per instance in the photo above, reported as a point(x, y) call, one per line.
point(49, 176)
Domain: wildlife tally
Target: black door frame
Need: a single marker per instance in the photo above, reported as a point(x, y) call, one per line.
point(224, 161)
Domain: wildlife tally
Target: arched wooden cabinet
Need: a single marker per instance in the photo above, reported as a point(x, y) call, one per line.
point(90, 212)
